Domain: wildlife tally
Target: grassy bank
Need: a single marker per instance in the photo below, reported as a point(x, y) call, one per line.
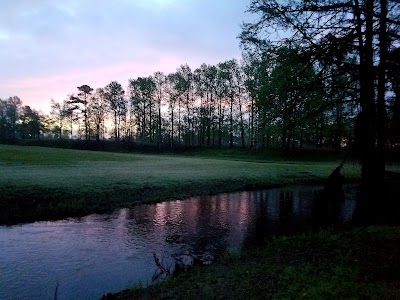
point(361, 263)
point(47, 183)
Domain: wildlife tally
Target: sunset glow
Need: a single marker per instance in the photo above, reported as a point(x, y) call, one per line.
point(49, 48)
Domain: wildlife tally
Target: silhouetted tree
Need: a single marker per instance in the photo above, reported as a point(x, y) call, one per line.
point(142, 91)
point(114, 93)
point(82, 104)
point(30, 126)
point(9, 116)
point(160, 81)
point(59, 111)
point(98, 110)
point(329, 31)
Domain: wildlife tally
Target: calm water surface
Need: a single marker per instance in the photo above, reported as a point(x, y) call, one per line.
point(88, 257)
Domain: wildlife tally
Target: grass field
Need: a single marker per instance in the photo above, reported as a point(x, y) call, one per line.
point(48, 183)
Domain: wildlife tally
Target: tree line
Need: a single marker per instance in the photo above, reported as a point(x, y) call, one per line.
point(18, 121)
point(307, 90)
point(272, 98)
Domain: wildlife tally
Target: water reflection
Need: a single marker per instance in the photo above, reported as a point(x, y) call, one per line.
point(97, 254)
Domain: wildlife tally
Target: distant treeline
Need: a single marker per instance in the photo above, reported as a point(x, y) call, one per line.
point(276, 96)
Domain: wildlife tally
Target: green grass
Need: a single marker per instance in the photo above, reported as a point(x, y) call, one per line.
point(271, 155)
point(49, 183)
point(361, 263)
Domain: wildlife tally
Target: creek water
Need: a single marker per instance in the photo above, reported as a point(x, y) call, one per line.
point(87, 257)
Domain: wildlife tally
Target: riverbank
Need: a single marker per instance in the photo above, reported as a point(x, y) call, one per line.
point(40, 183)
point(342, 263)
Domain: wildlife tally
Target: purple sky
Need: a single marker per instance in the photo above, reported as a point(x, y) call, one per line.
point(49, 47)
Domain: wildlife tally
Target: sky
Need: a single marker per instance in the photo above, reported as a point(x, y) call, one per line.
point(50, 47)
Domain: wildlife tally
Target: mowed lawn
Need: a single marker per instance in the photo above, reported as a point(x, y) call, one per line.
point(41, 183)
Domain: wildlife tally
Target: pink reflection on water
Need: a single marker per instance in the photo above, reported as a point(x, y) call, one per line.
point(104, 253)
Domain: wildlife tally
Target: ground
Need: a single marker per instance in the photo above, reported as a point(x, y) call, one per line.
point(43, 183)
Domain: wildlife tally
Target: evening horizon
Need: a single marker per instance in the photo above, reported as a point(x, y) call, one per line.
point(50, 49)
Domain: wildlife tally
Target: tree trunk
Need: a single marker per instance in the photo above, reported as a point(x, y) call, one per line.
point(61, 125)
point(231, 125)
point(209, 98)
point(159, 123)
point(172, 126)
point(115, 126)
point(220, 122)
point(370, 180)
point(150, 122)
point(241, 123)
point(252, 123)
point(381, 110)
point(179, 121)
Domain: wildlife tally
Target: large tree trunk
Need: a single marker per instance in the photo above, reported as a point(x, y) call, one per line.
point(381, 110)
point(371, 179)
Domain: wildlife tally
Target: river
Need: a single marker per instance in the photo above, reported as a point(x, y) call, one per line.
point(97, 254)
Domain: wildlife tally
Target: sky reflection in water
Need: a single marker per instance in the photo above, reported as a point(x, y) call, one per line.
point(98, 254)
